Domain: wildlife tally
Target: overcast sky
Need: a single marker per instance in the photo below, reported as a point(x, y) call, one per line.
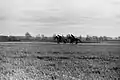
point(80, 17)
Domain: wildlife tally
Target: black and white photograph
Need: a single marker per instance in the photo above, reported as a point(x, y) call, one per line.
point(59, 39)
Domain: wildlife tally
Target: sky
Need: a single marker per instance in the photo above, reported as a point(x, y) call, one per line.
point(48, 17)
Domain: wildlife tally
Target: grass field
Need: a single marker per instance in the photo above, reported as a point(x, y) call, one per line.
point(50, 61)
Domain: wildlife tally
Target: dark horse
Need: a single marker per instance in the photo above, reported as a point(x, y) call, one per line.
point(60, 39)
point(73, 39)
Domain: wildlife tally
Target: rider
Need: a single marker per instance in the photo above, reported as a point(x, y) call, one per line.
point(60, 38)
point(72, 36)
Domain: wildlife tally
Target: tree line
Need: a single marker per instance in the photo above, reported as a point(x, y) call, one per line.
point(29, 37)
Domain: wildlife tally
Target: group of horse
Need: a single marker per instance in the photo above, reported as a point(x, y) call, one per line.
point(68, 39)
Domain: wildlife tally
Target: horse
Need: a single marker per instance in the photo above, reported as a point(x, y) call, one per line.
point(57, 38)
point(77, 40)
point(73, 39)
point(70, 39)
point(60, 39)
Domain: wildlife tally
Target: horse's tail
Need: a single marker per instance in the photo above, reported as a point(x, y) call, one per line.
point(80, 40)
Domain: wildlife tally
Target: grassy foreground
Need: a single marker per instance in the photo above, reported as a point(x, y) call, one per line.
point(40, 61)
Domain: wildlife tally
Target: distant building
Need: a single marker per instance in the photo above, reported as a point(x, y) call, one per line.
point(20, 37)
point(4, 38)
point(109, 38)
point(42, 36)
point(38, 36)
point(119, 38)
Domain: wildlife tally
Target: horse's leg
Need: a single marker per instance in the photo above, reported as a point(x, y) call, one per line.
point(64, 41)
point(70, 41)
point(80, 41)
point(76, 41)
point(58, 41)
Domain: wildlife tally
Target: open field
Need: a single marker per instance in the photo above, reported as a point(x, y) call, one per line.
point(51, 61)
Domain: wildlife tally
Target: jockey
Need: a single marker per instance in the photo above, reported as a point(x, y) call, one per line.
point(72, 36)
